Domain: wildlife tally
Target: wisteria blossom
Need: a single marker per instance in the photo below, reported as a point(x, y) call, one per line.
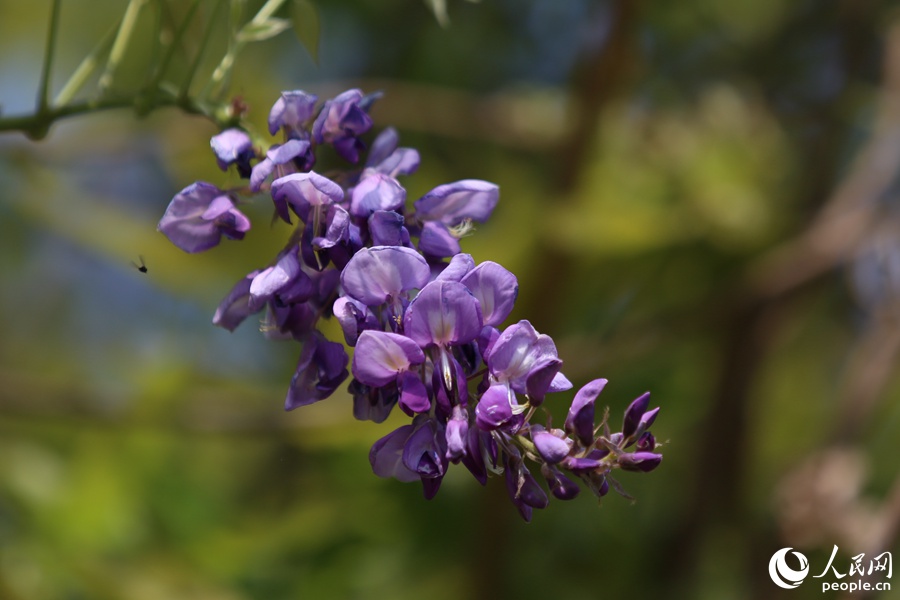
point(428, 325)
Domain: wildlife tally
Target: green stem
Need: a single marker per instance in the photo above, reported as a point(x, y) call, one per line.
point(43, 100)
point(85, 69)
point(175, 44)
point(36, 125)
point(207, 34)
point(126, 29)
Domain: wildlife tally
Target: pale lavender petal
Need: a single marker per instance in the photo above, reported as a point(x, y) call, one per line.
point(560, 383)
point(443, 313)
point(383, 146)
point(457, 434)
point(375, 275)
point(452, 203)
point(381, 356)
point(494, 409)
point(496, 290)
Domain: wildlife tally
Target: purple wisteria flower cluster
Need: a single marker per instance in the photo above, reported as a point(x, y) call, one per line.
point(425, 321)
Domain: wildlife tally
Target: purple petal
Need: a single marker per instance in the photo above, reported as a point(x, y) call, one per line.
point(640, 461)
point(403, 161)
point(375, 275)
point(437, 241)
point(580, 419)
point(496, 290)
point(291, 110)
point(423, 452)
point(646, 443)
point(551, 447)
point(386, 228)
point(413, 393)
point(493, 410)
point(443, 313)
point(372, 404)
point(233, 146)
point(235, 307)
point(560, 486)
point(376, 192)
point(258, 175)
point(540, 378)
point(303, 191)
point(383, 146)
point(386, 455)
point(633, 414)
point(452, 203)
point(354, 317)
point(381, 356)
point(457, 269)
point(341, 116)
point(321, 369)
point(184, 223)
point(457, 434)
point(272, 279)
point(517, 352)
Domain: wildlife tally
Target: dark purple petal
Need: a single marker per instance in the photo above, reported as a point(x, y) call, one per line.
point(386, 455)
point(580, 419)
point(561, 486)
point(302, 191)
point(381, 273)
point(580, 465)
point(386, 228)
point(341, 117)
point(443, 313)
point(424, 450)
point(376, 192)
point(235, 307)
point(413, 393)
point(550, 446)
point(452, 203)
point(540, 378)
point(373, 404)
point(291, 111)
point(633, 414)
point(646, 443)
point(496, 290)
point(478, 445)
point(640, 461)
point(185, 221)
point(321, 369)
point(381, 356)
point(437, 241)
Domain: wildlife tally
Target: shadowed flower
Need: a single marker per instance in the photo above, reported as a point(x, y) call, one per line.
point(233, 147)
point(321, 369)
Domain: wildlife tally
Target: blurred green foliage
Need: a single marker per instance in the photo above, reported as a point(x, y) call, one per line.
point(661, 167)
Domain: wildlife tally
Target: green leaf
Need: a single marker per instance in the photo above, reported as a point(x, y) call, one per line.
point(257, 32)
point(305, 17)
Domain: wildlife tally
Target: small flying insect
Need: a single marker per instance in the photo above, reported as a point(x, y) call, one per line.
point(140, 267)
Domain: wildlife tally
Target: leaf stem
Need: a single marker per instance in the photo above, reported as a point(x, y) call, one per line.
point(43, 102)
point(126, 29)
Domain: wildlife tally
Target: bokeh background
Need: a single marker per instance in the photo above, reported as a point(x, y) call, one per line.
point(699, 198)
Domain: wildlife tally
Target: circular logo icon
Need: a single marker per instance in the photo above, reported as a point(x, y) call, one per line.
point(782, 574)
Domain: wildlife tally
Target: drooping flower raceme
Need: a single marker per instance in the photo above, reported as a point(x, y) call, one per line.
point(426, 322)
